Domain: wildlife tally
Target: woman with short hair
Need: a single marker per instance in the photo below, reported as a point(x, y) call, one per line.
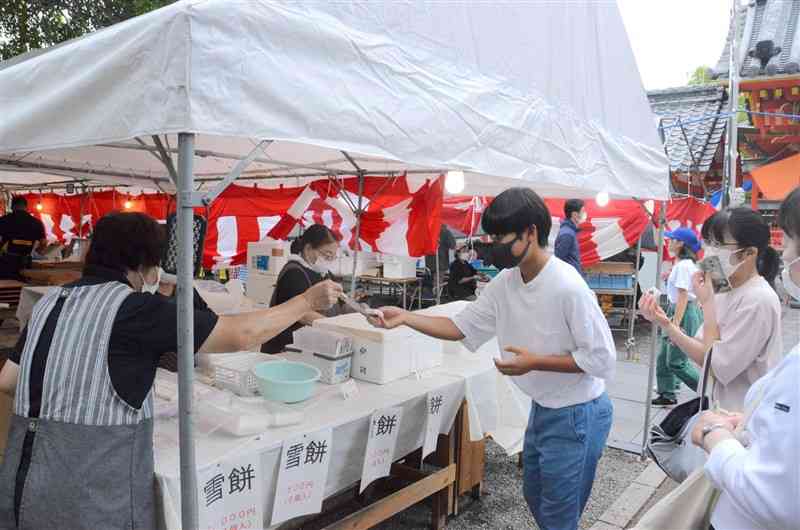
point(80, 445)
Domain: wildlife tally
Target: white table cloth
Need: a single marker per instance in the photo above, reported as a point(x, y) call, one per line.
point(494, 410)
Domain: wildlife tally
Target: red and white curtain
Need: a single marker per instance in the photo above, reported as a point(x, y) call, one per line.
point(396, 218)
point(608, 231)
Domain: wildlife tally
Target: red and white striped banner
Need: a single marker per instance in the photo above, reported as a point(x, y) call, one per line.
point(396, 219)
point(609, 230)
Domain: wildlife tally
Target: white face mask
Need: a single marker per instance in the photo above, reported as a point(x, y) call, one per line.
point(725, 255)
point(151, 288)
point(583, 218)
point(464, 256)
point(792, 288)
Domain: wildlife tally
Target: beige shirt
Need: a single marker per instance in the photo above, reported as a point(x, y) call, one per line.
point(750, 344)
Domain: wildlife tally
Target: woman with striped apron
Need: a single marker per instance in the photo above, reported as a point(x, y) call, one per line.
point(80, 445)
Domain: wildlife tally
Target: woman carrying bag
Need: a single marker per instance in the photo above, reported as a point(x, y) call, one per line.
point(752, 477)
point(744, 324)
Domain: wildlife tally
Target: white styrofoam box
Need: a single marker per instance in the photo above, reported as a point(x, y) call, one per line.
point(367, 265)
point(329, 343)
point(380, 355)
point(399, 267)
point(267, 255)
point(333, 370)
point(261, 285)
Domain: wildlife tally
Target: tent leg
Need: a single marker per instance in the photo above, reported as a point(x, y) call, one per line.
point(662, 219)
point(185, 217)
point(353, 280)
point(632, 317)
point(438, 279)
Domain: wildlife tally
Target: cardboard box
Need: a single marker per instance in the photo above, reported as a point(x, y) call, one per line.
point(382, 356)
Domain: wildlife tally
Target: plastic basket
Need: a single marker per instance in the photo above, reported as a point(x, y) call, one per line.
point(236, 374)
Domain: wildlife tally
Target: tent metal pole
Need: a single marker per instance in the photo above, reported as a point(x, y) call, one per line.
point(353, 280)
point(632, 316)
point(438, 280)
point(185, 217)
point(662, 220)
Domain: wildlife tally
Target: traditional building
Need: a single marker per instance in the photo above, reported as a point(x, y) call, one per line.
point(693, 135)
point(769, 44)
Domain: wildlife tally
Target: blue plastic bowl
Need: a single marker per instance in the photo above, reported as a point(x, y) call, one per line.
point(286, 381)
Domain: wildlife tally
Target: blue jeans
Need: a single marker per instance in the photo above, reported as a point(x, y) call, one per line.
point(562, 448)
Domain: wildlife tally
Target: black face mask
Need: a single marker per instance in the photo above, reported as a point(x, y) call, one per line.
point(503, 258)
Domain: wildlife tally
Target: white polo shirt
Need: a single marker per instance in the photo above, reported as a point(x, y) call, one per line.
point(554, 314)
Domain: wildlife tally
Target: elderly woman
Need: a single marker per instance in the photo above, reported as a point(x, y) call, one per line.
point(758, 475)
point(79, 452)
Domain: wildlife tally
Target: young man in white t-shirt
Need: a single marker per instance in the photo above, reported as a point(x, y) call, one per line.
point(556, 345)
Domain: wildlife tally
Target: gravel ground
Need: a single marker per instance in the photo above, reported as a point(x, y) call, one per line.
point(502, 505)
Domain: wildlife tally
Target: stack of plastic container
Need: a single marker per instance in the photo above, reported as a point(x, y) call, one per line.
point(328, 351)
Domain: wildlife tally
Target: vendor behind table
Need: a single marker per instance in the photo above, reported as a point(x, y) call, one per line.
point(310, 261)
point(82, 376)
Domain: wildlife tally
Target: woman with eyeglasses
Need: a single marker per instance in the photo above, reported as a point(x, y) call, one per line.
point(309, 264)
point(744, 324)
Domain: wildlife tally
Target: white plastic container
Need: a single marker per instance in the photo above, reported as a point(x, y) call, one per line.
point(330, 344)
point(399, 267)
point(334, 370)
point(367, 265)
point(382, 356)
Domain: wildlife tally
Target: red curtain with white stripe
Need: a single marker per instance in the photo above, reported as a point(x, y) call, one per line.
point(395, 220)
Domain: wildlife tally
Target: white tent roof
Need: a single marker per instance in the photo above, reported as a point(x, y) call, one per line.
point(539, 94)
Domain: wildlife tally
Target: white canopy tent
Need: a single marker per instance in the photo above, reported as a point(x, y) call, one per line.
point(545, 95)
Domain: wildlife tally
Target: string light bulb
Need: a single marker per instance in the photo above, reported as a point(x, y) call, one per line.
point(39, 207)
point(602, 199)
point(454, 182)
point(128, 205)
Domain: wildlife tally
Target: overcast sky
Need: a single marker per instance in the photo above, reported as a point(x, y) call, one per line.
point(671, 38)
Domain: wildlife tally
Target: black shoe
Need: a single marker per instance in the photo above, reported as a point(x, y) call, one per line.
point(662, 401)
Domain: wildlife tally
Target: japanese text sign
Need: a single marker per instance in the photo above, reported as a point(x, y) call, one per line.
point(304, 465)
point(229, 494)
point(434, 402)
point(384, 428)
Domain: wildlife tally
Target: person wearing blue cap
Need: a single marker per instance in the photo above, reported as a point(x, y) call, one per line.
point(673, 365)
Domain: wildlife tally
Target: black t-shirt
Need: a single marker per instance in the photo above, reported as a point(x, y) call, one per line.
point(295, 279)
point(458, 271)
point(145, 328)
point(20, 226)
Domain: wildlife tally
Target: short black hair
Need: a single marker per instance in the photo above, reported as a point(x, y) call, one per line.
point(516, 210)
point(126, 241)
point(315, 235)
point(573, 206)
point(19, 203)
point(789, 214)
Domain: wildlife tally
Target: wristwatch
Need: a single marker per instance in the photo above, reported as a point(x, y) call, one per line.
point(708, 429)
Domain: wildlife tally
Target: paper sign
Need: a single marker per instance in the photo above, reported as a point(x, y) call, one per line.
point(305, 461)
point(349, 390)
point(383, 430)
point(433, 424)
point(229, 494)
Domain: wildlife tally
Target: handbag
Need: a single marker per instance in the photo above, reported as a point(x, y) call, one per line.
point(691, 504)
point(670, 445)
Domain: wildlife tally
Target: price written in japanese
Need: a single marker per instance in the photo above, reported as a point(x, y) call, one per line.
point(383, 432)
point(302, 476)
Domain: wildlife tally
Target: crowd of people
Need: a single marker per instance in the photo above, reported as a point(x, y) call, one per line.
point(95, 433)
